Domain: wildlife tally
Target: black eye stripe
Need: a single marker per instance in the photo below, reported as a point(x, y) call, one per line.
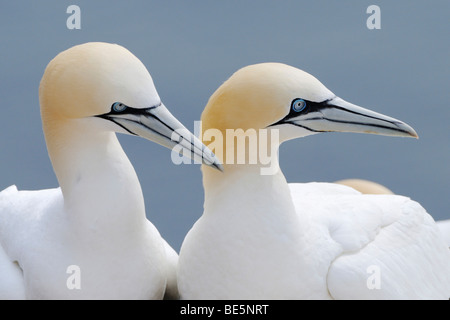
point(309, 107)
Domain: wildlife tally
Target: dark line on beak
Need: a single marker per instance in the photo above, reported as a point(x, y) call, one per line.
point(370, 124)
point(297, 125)
point(330, 106)
point(120, 125)
point(123, 127)
point(193, 150)
point(169, 127)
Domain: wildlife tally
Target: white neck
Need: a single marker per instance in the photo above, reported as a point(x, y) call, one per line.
point(243, 190)
point(98, 182)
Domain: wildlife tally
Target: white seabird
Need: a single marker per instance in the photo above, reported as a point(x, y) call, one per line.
point(262, 238)
point(90, 239)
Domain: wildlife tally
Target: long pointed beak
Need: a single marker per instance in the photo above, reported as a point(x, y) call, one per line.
point(341, 116)
point(159, 125)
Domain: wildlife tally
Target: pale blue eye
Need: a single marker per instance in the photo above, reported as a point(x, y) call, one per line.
point(298, 105)
point(118, 107)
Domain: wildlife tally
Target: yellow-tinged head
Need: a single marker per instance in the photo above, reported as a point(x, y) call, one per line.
point(104, 87)
point(278, 96)
point(87, 79)
point(258, 95)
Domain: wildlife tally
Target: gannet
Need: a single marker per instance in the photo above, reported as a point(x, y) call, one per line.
point(262, 238)
point(90, 239)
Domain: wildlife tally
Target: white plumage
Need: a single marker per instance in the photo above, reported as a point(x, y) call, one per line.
point(444, 227)
point(376, 235)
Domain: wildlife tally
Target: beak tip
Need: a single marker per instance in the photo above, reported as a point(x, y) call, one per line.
point(216, 165)
point(411, 133)
point(219, 167)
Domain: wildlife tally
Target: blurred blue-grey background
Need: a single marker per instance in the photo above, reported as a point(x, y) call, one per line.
point(191, 47)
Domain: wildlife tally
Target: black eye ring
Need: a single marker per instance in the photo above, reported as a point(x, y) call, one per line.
point(298, 105)
point(118, 107)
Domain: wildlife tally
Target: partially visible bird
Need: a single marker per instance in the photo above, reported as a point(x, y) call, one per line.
point(365, 186)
